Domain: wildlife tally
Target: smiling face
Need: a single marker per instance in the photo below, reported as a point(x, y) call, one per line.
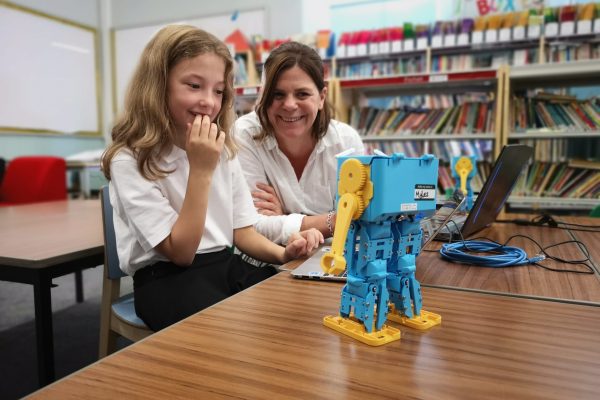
point(195, 87)
point(296, 102)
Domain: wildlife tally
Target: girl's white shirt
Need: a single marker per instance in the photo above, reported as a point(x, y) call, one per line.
point(145, 211)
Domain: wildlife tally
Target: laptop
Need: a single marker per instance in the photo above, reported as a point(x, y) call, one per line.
point(492, 196)
point(311, 268)
point(447, 224)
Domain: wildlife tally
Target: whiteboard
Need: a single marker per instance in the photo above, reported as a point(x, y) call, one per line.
point(130, 42)
point(48, 79)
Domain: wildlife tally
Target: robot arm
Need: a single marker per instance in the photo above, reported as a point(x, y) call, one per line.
point(355, 190)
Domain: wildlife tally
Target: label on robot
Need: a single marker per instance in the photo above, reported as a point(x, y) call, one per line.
point(408, 207)
point(424, 192)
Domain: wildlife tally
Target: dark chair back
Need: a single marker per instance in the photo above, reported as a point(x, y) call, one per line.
point(117, 313)
point(110, 241)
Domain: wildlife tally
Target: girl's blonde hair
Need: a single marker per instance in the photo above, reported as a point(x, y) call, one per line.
point(146, 126)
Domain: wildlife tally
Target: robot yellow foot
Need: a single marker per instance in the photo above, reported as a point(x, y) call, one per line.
point(356, 330)
point(422, 322)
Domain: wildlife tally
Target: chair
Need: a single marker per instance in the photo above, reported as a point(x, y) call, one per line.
point(117, 313)
point(32, 179)
point(2, 168)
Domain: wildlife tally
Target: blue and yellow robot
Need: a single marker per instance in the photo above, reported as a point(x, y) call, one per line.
point(463, 170)
point(381, 200)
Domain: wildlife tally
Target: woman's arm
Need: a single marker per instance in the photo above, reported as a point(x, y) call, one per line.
point(268, 204)
point(319, 222)
point(204, 146)
point(252, 243)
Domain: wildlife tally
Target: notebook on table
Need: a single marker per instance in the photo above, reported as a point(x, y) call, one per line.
point(447, 223)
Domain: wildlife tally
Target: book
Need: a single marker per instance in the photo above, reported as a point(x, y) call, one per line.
point(586, 164)
point(548, 174)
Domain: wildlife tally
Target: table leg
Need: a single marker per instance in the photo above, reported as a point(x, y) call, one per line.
point(43, 327)
point(79, 286)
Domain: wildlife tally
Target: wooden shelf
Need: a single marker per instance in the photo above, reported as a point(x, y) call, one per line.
point(249, 91)
point(553, 135)
point(417, 137)
point(421, 80)
point(555, 72)
point(555, 203)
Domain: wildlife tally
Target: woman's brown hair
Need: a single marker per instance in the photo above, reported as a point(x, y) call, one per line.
point(145, 126)
point(284, 57)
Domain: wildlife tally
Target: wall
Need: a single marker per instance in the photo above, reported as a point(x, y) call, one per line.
point(12, 145)
point(284, 16)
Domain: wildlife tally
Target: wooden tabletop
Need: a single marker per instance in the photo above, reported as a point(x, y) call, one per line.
point(270, 342)
point(527, 280)
point(42, 234)
point(590, 239)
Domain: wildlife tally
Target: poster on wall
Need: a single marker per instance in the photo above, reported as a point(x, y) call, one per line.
point(476, 8)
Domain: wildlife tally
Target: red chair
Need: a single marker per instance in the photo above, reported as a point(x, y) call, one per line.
point(33, 179)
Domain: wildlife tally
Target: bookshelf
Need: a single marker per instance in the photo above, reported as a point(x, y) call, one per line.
point(245, 98)
point(542, 110)
point(454, 113)
point(504, 59)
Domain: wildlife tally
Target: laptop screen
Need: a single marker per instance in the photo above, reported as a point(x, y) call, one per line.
point(497, 187)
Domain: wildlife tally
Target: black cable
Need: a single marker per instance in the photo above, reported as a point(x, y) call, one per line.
point(543, 250)
point(588, 268)
point(551, 222)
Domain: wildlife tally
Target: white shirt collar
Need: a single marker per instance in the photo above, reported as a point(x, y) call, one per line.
point(175, 154)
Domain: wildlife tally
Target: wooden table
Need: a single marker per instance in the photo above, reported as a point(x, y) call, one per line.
point(590, 239)
point(530, 280)
point(43, 241)
point(270, 342)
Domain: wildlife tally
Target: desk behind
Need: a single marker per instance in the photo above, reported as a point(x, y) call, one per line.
point(528, 280)
point(43, 241)
point(270, 342)
point(44, 234)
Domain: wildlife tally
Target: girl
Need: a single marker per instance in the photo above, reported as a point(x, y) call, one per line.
point(180, 202)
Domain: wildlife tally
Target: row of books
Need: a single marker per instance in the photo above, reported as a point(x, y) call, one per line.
point(567, 180)
point(552, 112)
point(468, 117)
point(492, 59)
point(561, 150)
point(369, 69)
point(564, 21)
point(573, 52)
point(444, 150)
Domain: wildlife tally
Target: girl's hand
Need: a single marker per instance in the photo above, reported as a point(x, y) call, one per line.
point(266, 200)
point(204, 144)
point(301, 244)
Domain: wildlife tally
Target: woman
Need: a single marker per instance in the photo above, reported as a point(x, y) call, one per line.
point(288, 146)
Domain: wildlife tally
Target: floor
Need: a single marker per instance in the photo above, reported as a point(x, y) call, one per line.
point(76, 330)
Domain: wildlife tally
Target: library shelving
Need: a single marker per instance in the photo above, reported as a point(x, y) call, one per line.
point(245, 98)
point(543, 109)
point(446, 114)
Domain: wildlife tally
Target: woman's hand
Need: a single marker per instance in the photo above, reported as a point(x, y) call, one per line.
point(301, 244)
point(266, 200)
point(204, 144)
